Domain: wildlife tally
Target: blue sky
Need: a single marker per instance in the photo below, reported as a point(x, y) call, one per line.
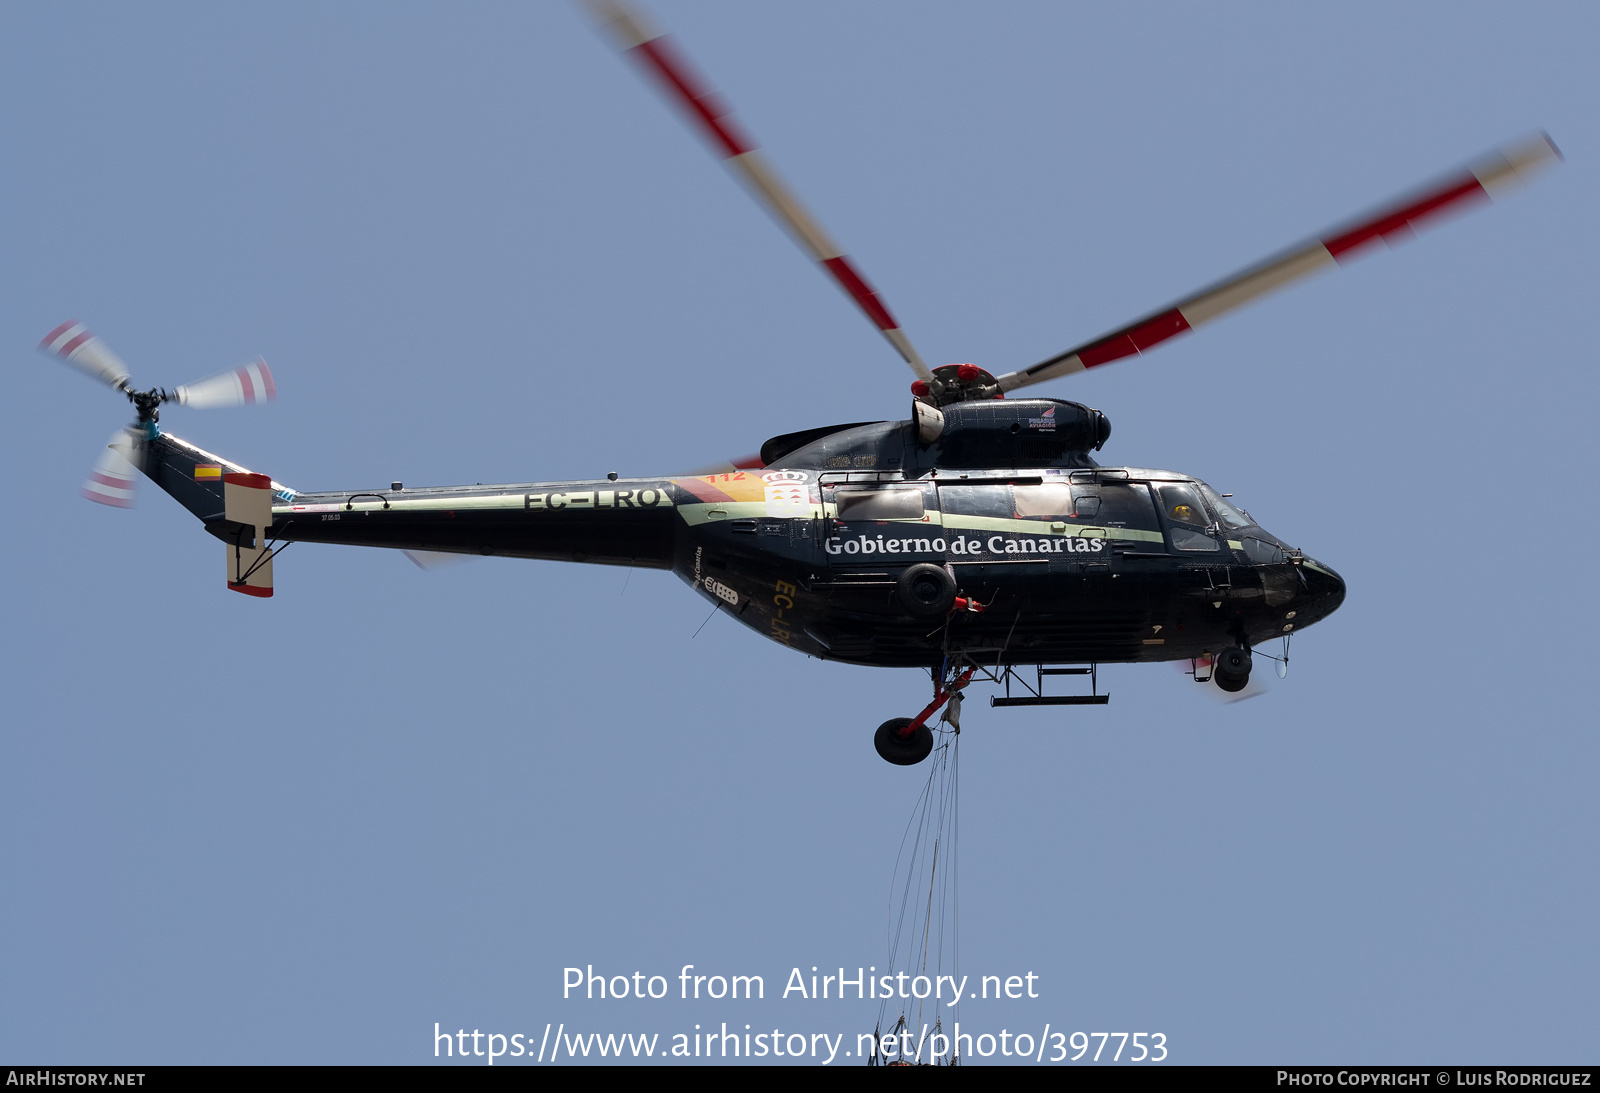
point(474, 247)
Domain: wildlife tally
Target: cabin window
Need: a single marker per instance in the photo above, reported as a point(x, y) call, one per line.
point(992, 500)
point(878, 503)
point(1116, 506)
point(1052, 499)
point(1055, 501)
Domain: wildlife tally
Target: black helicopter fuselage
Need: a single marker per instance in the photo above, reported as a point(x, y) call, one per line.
point(1055, 559)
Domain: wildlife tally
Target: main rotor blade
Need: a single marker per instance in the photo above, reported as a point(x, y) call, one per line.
point(242, 386)
point(76, 345)
point(113, 479)
point(1486, 178)
point(680, 83)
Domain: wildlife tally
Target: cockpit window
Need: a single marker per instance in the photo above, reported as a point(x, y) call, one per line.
point(1229, 515)
point(1189, 524)
point(1182, 506)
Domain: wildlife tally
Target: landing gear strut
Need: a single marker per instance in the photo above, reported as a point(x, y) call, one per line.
point(907, 741)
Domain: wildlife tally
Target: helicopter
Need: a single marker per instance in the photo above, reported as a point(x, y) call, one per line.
point(973, 539)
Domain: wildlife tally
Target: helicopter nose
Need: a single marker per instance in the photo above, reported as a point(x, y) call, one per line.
point(1324, 587)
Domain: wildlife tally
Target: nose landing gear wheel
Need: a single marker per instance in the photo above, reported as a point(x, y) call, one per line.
point(903, 751)
point(1232, 669)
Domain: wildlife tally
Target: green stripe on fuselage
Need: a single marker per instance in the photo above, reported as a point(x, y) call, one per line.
point(1048, 527)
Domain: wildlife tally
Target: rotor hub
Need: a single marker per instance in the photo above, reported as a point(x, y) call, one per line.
point(148, 403)
point(957, 383)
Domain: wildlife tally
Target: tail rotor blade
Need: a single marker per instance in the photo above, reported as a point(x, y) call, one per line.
point(113, 479)
point(242, 386)
point(75, 344)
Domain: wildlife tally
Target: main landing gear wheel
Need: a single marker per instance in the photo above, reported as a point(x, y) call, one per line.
point(1232, 669)
point(903, 751)
point(926, 590)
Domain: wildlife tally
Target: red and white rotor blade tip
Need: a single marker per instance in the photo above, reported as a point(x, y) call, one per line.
point(1488, 177)
point(243, 386)
point(114, 476)
point(687, 89)
point(78, 346)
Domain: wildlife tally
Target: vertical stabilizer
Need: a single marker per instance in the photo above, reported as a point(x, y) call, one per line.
point(248, 502)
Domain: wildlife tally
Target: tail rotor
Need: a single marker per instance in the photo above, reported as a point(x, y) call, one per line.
point(112, 480)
